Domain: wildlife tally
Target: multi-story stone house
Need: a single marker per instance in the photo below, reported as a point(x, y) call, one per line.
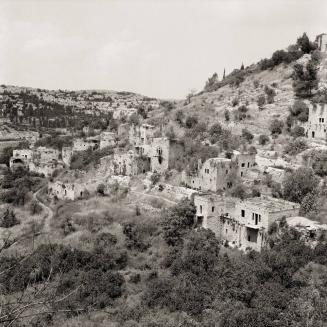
point(316, 127)
point(163, 153)
point(212, 175)
point(130, 164)
point(242, 224)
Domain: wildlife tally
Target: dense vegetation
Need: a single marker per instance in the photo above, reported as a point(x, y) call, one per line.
point(195, 282)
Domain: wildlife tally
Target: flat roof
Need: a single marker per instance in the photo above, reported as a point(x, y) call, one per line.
point(271, 204)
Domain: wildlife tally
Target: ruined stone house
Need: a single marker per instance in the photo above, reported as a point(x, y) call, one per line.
point(163, 153)
point(212, 175)
point(66, 190)
point(242, 224)
point(316, 127)
point(85, 144)
point(130, 164)
point(21, 158)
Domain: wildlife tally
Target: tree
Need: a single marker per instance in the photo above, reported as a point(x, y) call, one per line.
point(298, 131)
point(191, 121)
point(247, 135)
point(101, 189)
point(177, 220)
point(304, 44)
point(198, 255)
point(305, 79)
point(276, 127)
point(5, 156)
point(211, 82)
point(299, 183)
point(180, 117)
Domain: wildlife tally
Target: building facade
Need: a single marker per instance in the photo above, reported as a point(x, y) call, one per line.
point(316, 127)
point(242, 224)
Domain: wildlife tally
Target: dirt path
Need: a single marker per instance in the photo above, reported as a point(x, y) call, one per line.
point(48, 211)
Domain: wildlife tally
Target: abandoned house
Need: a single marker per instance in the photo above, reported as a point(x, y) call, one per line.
point(85, 144)
point(163, 153)
point(130, 164)
point(242, 224)
point(212, 175)
point(21, 158)
point(66, 191)
point(316, 127)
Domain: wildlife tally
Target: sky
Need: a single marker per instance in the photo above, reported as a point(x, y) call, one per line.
point(159, 48)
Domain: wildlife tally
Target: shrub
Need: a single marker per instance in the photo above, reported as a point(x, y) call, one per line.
point(191, 121)
point(263, 139)
point(276, 127)
point(300, 111)
point(235, 102)
point(101, 189)
point(298, 131)
point(9, 219)
point(155, 178)
point(261, 101)
point(296, 146)
point(247, 135)
point(299, 183)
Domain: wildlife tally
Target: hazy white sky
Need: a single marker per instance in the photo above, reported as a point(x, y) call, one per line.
point(157, 48)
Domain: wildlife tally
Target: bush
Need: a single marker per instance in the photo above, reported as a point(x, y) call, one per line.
point(247, 135)
point(270, 94)
point(263, 139)
point(261, 101)
point(299, 183)
point(295, 146)
point(191, 121)
point(300, 111)
point(298, 131)
point(101, 189)
point(276, 127)
point(9, 219)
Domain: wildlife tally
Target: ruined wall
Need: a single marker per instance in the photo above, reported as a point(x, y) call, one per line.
point(67, 154)
point(107, 139)
point(66, 191)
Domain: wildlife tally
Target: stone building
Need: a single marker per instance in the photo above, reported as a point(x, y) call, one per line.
point(21, 157)
point(130, 164)
point(141, 135)
point(85, 144)
point(242, 224)
point(163, 153)
point(321, 41)
point(244, 160)
point(45, 154)
point(316, 127)
point(46, 168)
point(212, 175)
point(107, 139)
point(66, 191)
